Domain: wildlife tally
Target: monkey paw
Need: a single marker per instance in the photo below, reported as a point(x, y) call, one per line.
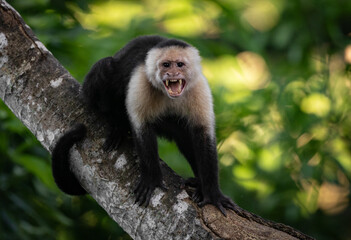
point(222, 202)
point(144, 190)
point(193, 188)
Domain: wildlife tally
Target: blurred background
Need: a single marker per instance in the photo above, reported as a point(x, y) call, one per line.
point(280, 75)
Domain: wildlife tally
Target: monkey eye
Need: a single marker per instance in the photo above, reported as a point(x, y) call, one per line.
point(166, 64)
point(180, 64)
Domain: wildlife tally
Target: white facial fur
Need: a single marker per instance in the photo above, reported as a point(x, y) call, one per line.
point(189, 56)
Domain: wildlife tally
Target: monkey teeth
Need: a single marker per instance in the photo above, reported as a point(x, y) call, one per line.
point(174, 87)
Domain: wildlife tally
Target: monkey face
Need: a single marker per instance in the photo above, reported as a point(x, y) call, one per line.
point(173, 70)
point(173, 76)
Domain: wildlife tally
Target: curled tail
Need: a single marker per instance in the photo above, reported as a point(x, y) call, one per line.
point(64, 177)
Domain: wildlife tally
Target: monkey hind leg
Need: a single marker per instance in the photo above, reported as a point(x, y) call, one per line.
point(64, 177)
point(117, 129)
point(191, 182)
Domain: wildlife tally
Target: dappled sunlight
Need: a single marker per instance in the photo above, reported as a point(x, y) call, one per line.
point(220, 71)
point(174, 17)
point(347, 54)
point(340, 89)
point(239, 75)
point(340, 84)
point(116, 14)
point(317, 104)
point(243, 172)
point(303, 140)
point(269, 158)
point(235, 144)
point(262, 15)
point(319, 132)
point(246, 177)
point(296, 89)
point(261, 188)
point(336, 65)
point(333, 198)
point(307, 197)
point(184, 19)
point(295, 164)
point(341, 150)
point(226, 159)
point(273, 124)
point(187, 26)
point(252, 70)
point(315, 160)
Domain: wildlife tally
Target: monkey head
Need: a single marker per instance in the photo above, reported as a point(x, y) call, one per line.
point(173, 69)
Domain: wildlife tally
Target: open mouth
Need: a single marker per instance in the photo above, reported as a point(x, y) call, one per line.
point(174, 87)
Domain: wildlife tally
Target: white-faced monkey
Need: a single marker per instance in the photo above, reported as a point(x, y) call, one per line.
point(152, 87)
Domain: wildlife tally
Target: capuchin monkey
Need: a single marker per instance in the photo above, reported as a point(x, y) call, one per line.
point(152, 87)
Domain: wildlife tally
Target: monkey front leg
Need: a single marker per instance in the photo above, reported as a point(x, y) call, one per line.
point(206, 160)
point(150, 171)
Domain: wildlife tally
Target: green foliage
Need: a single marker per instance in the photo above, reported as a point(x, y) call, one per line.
point(280, 75)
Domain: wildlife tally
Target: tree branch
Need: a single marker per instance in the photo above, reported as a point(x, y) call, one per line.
point(44, 96)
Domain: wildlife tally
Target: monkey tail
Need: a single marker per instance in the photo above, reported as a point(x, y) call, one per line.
point(64, 177)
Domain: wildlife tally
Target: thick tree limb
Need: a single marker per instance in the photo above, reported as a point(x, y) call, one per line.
point(44, 96)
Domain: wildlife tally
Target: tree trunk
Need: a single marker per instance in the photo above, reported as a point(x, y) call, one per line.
point(45, 97)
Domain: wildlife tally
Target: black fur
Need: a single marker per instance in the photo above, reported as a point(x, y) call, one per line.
point(172, 42)
point(104, 91)
point(63, 176)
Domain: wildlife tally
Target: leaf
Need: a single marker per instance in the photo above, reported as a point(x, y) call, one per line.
point(36, 166)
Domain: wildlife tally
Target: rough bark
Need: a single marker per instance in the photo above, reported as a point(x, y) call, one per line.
point(44, 96)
